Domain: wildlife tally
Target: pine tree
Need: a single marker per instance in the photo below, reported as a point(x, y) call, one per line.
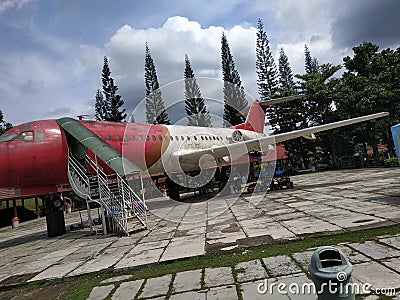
point(195, 107)
point(100, 107)
point(155, 110)
point(267, 80)
point(285, 72)
point(112, 101)
point(311, 64)
point(234, 96)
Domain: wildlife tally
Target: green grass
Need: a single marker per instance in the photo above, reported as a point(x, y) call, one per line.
point(80, 287)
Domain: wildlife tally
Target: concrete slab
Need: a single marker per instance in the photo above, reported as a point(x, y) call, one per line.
point(187, 281)
point(392, 241)
point(116, 279)
point(250, 270)
point(249, 292)
point(375, 250)
point(100, 292)
point(158, 286)
point(281, 265)
point(377, 275)
point(127, 290)
point(393, 263)
point(189, 295)
point(181, 247)
point(218, 276)
point(222, 293)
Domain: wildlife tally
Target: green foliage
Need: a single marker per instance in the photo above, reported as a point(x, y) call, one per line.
point(234, 96)
point(195, 107)
point(371, 84)
point(267, 75)
point(108, 108)
point(155, 108)
point(391, 162)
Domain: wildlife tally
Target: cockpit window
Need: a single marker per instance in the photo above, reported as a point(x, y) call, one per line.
point(7, 137)
point(25, 136)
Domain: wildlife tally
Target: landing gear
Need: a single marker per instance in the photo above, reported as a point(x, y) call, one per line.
point(172, 189)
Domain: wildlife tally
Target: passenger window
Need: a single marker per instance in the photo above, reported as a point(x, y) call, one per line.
point(117, 137)
point(182, 138)
point(177, 138)
point(171, 137)
point(195, 138)
point(140, 138)
point(108, 137)
point(154, 137)
point(125, 138)
point(160, 137)
point(188, 138)
point(206, 138)
point(133, 138)
point(202, 138)
point(39, 136)
point(147, 138)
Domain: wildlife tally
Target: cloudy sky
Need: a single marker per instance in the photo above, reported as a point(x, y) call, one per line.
point(51, 51)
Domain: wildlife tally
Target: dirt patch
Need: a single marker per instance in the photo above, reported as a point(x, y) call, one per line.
point(17, 280)
point(256, 241)
point(45, 292)
point(233, 227)
point(180, 233)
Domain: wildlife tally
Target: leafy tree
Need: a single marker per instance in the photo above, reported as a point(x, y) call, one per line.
point(100, 107)
point(195, 107)
point(155, 110)
point(370, 84)
point(267, 80)
point(4, 126)
point(112, 101)
point(234, 96)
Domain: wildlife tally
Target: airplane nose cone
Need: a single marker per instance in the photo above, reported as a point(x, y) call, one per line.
point(4, 167)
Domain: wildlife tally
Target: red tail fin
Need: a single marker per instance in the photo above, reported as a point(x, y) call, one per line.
point(255, 118)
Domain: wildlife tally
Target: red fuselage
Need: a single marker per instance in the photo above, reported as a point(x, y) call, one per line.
point(33, 156)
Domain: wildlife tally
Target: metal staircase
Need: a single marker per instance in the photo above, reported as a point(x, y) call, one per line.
point(122, 210)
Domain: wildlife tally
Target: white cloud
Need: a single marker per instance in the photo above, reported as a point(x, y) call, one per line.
point(9, 4)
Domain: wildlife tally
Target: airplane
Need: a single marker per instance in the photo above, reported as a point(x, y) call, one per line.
point(34, 156)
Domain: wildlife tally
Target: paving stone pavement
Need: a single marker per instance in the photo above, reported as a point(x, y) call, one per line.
point(253, 282)
point(320, 204)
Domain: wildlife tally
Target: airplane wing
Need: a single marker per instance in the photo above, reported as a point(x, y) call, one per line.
point(240, 148)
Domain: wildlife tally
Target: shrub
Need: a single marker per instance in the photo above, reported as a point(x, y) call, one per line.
point(391, 162)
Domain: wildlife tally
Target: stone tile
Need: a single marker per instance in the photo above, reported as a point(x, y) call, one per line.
point(218, 276)
point(184, 247)
point(127, 290)
point(375, 250)
point(100, 292)
point(376, 275)
point(250, 292)
point(156, 286)
point(222, 293)
point(393, 241)
point(142, 258)
point(116, 279)
point(393, 263)
point(250, 270)
point(106, 259)
point(353, 256)
point(56, 271)
point(189, 295)
point(304, 258)
point(187, 281)
point(309, 225)
point(281, 265)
